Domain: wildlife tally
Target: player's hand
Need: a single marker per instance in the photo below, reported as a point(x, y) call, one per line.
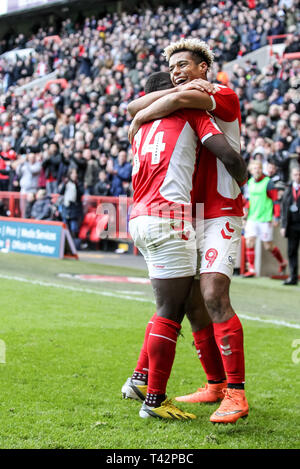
point(200, 85)
point(134, 126)
point(282, 232)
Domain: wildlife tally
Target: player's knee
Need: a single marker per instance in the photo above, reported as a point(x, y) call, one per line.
point(170, 309)
point(217, 305)
point(212, 299)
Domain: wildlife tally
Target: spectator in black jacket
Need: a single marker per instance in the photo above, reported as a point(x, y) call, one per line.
point(282, 160)
point(4, 212)
point(72, 210)
point(290, 222)
point(64, 165)
point(292, 44)
point(51, 166)
point(262, 126)
point(272, 173)
point(102, 186)
point(79, 163)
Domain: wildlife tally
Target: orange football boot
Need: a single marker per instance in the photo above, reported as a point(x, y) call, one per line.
point(210, 393)
point(233, 407)
point(250, 273)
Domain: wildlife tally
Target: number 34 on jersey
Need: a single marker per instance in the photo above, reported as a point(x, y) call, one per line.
point(154, 145)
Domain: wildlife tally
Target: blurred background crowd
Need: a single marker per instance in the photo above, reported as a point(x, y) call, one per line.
point(77, 122)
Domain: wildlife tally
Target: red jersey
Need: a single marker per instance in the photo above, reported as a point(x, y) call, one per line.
point(3, 167)
point(10, 154)
point(213, 185)
point(165, 153)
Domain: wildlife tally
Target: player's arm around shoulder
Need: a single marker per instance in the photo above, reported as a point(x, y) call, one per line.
point(168, 104)
point(179, 98)
point(177, 94)
point(144, 101)
point(191, 99)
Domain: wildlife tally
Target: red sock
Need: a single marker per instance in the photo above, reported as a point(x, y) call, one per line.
point(161, 352)
point(143, 362)
point(209, 354)
point(277, 254)
point(229, 338)
point(250, 257)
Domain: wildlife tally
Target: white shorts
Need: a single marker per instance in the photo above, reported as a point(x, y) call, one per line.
point(258, 229)
point(168, 246)
point(218, 241)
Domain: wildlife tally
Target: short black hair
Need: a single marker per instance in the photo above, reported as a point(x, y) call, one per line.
point(158, 81)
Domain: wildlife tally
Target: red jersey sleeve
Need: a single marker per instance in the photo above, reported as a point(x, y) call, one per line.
point(272, 192)
point(226, 104)
point(203, 124)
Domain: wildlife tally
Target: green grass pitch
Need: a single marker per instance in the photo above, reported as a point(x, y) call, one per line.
point(67, 347)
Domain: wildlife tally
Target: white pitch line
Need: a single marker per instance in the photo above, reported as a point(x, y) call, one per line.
point(76, 289)
point(274, 322)
point(130, 292)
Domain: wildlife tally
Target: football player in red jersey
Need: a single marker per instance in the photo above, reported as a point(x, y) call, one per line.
point(165, 153)
point(218, 335)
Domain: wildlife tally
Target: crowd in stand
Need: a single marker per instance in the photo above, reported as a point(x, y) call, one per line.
point(79, 121)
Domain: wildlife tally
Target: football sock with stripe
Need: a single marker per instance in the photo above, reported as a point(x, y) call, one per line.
point(161, 352)
point(229, 338)
point(209, 354)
